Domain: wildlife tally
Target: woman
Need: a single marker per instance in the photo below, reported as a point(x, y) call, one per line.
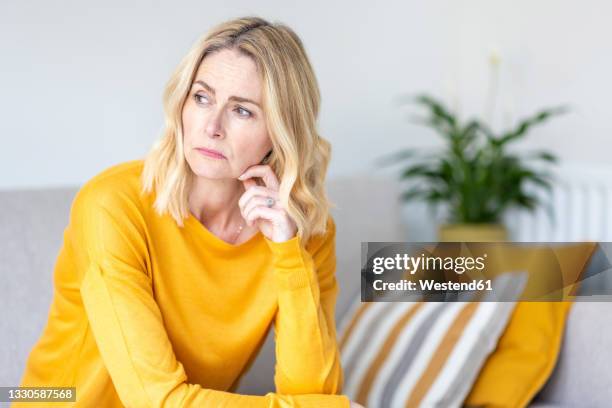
point(174, 267)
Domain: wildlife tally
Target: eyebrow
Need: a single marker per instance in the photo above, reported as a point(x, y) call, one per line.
point(231, 98)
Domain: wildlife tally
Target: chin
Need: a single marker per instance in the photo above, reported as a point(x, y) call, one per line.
point(209, 168)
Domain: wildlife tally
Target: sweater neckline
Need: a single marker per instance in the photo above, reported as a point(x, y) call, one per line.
point(218, 242)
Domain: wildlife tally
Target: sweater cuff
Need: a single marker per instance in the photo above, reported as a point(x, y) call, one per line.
point(293, 265)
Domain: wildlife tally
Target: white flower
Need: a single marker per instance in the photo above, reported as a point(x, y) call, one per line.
point(495, 56)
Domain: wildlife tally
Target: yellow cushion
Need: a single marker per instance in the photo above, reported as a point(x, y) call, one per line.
point(524, 358)
point(527, 352)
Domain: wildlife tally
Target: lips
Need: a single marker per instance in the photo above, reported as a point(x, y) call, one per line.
point(210, 152)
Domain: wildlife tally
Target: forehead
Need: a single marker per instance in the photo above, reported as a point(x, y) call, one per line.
point(230, 72)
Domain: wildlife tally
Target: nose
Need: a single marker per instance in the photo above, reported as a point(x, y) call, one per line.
point(214, 127)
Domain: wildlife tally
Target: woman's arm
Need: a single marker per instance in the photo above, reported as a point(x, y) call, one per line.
point(126, 321)
point(308, 359)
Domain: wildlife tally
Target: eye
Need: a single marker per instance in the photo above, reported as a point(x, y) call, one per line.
point(243, 112)
point(201, 99)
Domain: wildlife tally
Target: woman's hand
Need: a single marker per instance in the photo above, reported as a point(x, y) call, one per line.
point(356, 405)
point(274, 222)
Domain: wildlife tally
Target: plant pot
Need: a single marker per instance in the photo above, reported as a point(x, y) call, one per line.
point(472, 233)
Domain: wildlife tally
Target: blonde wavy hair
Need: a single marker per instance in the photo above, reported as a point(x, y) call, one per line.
point(291, 100)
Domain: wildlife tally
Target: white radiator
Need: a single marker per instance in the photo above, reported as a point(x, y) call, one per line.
point(581, 201)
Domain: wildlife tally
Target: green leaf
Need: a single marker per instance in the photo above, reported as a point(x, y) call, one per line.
point(546, 156)
point(526, 124)
point(411, 194)
point(438, 110)
point(416, 170)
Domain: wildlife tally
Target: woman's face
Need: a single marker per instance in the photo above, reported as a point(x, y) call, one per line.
point(223, 112)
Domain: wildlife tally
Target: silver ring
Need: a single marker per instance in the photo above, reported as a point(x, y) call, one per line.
point(269, 202)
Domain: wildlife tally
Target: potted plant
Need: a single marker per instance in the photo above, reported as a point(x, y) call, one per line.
point(475, 174)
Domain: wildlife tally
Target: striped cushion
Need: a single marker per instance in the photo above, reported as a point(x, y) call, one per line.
point(417, 354)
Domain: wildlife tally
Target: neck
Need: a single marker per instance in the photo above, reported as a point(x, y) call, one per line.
point(215, 201)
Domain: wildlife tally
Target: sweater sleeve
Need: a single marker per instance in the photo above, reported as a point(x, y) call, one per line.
point(307, 353)
point(126, 322)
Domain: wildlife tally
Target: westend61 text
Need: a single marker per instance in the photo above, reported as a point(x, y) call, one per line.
point(429, 285)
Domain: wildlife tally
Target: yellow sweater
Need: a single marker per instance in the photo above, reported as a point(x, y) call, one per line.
point(148, 314)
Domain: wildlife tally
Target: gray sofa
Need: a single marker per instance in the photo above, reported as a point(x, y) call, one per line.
point(31, 231)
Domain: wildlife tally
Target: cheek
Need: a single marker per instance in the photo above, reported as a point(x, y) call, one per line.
point(262, 138)
point(188, 114)
point(190, 121)
point(255, 139)
point(256, 130)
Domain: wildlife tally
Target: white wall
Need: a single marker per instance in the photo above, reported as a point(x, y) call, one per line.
point(81, 82)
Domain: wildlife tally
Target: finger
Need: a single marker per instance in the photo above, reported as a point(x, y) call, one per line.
point(259, 196)
point(256, 191)
point(256, 201)
point(248, 183)
point(261, 212)
point(265, 172)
